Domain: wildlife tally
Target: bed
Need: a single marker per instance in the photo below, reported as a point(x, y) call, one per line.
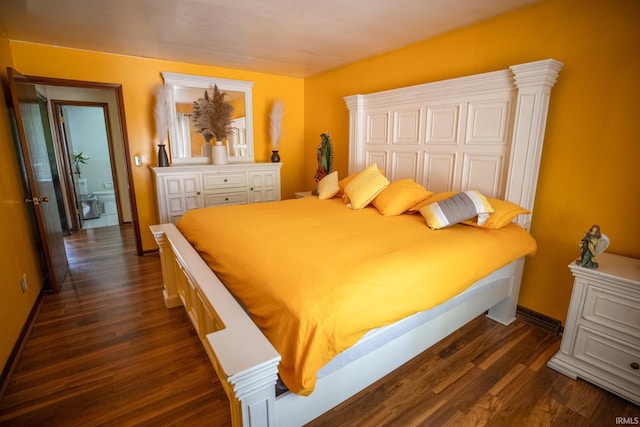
point(482, 132)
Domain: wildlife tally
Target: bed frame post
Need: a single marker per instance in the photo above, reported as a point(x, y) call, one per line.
point(254, 400)
point(504, 312)
point(169, 266)
point(356, 126)
point(534, 81)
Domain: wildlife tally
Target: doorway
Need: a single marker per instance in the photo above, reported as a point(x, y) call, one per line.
point(83, 133)
point(108, 100)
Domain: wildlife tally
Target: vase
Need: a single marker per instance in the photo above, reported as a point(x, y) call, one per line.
point(275, 157)
point(205, 151)
point(163, 158)
point(219, 154)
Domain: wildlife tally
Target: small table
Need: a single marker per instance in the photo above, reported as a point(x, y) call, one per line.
point(601, 339)
point(303, 194)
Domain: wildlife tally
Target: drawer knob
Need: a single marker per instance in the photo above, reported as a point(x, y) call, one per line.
point(226, 198)
point(225, 180)
point(635, 366)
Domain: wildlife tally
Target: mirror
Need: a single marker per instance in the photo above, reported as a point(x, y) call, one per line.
point(185, 143)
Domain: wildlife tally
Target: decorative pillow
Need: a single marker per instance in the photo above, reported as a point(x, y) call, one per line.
point(503, 213)
point(365, 187)
point(345, 181)
point(328, 186)
point(455, 209)
point(399, 196)
point(435, 198)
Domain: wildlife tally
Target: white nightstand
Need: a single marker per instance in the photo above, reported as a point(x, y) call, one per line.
point(601, 339)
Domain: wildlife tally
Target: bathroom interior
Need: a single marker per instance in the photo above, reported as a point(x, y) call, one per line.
point(87, 139)
point(87, 120)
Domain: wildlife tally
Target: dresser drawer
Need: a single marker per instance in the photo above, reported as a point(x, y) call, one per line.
point(226, 198)
point(613, 356)
point(614, 310)
point(212, 181)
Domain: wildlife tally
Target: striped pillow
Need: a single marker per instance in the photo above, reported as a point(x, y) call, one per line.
point(457, 208)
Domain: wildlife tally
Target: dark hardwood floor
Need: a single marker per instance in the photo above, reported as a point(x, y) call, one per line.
point(105, 351)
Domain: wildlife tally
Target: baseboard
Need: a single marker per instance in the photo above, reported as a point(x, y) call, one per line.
point(549, 324)
point(150, 251)
point(5, 376)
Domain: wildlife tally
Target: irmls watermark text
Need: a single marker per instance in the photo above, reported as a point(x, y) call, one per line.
point(628, 420)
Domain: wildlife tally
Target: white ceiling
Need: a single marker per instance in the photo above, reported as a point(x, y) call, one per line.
point(297, 38)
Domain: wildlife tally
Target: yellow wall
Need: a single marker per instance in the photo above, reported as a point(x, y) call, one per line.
point(18, 253)
point(139, 78)
point(589, 171)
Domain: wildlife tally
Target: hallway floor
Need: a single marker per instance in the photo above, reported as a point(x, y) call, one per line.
point(103, 221)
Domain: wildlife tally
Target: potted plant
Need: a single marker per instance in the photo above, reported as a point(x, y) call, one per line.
point(212, 118)
point(78, 159)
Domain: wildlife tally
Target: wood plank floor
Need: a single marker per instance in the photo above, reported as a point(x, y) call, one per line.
point(105, 351)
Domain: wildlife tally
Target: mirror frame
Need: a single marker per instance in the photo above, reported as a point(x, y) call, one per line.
point(205, 82)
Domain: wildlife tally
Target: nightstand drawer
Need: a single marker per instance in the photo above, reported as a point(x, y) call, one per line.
point(223, 180)
point(616, 357)
point(231, 198)
point(614, 310)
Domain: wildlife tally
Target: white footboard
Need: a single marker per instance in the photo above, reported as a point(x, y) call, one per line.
point(245, 361)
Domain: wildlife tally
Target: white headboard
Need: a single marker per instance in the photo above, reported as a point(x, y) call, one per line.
point(482, 132)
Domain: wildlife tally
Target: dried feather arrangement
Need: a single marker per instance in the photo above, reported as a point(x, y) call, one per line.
point(161, 112)
point(212, 115)
point(276, 124)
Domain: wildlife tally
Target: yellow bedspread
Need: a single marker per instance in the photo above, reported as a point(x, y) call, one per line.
point(315, 276)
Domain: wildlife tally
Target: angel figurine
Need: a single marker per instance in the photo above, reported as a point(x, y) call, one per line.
point(590, 246)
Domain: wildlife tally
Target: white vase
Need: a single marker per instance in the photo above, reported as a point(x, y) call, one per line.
point(219, 154)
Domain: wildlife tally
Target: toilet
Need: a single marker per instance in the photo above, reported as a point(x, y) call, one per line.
point(89, 202)
point(107, 198)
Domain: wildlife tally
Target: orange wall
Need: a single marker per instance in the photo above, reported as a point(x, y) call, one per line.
point(589, 172)
point(139, 78)
point(18, 251)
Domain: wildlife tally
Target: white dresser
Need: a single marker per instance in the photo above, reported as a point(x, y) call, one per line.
point(601, 340)
point(180, 188)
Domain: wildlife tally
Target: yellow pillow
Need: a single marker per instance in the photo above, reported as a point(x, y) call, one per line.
point(456, 209)
point(365, 187)
point(503, 213)
point(345, 181)
point(328, 186)
point(399, 196)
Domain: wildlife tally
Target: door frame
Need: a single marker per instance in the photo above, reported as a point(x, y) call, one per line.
point(119, 95)
point(65, 163)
